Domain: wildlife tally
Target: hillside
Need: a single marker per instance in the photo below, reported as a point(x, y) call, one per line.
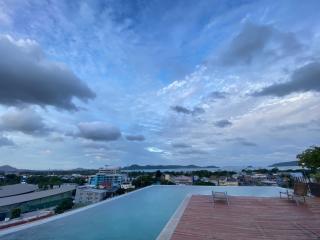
point(8, 168)
point(285, 164)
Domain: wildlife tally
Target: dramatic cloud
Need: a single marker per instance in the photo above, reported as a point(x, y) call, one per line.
point(98, 131)
point(223, 123)
point(259, 41)
point(135, 137)
point(185, 83)
point(27, 77)
point(184, 110)
point(23, 120)
point(180, 145)
point(306, 78)
point(5, 142)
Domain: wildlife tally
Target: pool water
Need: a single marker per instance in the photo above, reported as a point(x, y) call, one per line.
point(137, 216)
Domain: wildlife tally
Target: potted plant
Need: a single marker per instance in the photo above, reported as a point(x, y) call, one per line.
point(310, 158)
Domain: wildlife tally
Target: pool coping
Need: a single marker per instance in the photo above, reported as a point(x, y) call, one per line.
point(169, 228)
point(14, 229)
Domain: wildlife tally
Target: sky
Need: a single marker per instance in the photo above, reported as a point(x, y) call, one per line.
point(94, 83)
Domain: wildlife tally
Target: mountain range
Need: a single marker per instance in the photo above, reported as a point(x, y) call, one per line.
point(158, 167)
point(285, 164)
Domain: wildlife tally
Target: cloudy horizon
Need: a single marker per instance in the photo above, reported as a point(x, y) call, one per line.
point(93, 83)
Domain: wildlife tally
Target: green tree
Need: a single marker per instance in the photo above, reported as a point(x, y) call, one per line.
point(200, 183)
point(310, 158)
point(120, 191)
point(158, 175)
point(143, 181)
point(65, 205)
point(15, 213)
point(11, 179)
point(78, 180)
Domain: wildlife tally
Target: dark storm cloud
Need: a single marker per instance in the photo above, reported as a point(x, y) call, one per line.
point(306, 78)
point(98, 131)
point(5, 142)
point(241, 141)
point(135, 137)
point(259, 41)
point(180, 145)
point(184, 110)
point(27, 77)
point(23, 120)
point(223, 123)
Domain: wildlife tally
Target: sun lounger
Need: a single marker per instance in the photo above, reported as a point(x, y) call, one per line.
point(300, 191)
point(220, 196)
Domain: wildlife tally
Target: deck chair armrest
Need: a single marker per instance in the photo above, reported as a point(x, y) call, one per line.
point(285, 193)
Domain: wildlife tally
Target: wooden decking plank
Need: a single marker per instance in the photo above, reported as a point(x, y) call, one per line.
point(249, 218)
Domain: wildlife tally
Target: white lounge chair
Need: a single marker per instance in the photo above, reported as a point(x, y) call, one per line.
point(220, 196)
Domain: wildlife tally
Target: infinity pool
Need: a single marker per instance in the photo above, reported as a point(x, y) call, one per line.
point(138, 216)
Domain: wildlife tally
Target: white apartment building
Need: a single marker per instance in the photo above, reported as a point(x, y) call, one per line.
point(87, 195)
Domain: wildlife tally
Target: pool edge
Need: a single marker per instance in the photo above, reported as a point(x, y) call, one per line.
point(171, 225)
point(56, 217)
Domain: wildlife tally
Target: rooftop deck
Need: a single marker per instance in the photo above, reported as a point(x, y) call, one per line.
point(249, 218)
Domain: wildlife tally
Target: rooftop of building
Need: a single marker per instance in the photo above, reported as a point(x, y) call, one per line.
point(35, 195)
point(16, 189)
point(90, 189)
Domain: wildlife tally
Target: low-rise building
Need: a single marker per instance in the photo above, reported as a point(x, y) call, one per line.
point(35, 200)
point(167, 177)
point(228, 181)
point(88, 195)
point(182, 180)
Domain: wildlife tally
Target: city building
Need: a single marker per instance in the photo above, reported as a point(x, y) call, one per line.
point(228, 181)
point(35, 200)
point(182, 180)
point(88, 195)
point(107, 177)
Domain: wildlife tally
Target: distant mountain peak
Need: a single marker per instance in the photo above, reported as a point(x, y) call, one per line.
point(8, 168)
